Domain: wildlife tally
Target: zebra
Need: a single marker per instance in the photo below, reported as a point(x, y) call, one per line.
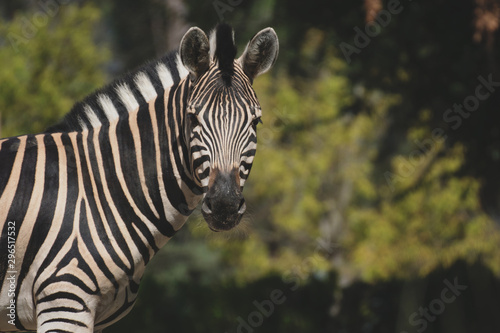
point(86, 204)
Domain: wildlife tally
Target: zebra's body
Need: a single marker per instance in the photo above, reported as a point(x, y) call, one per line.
point(94, 198)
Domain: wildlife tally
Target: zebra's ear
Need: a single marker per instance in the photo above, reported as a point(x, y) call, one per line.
point(194, 51)
point(260, 54)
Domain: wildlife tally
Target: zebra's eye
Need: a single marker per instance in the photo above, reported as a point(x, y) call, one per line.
point(193, 120)
point(256, 121)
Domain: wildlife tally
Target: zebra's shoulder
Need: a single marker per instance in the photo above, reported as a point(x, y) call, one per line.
point(123, 95)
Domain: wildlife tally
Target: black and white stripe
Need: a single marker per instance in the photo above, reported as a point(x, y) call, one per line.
point(97, 195)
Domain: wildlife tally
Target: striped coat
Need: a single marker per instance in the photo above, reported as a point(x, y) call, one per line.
point(85, 205)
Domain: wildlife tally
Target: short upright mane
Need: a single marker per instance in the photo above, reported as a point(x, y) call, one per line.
point(225, 51)
point(123, 95)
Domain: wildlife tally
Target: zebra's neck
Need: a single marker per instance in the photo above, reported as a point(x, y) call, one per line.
point(125, 95)
point(135, 127)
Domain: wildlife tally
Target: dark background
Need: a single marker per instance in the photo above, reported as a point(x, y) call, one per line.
point(371, 191)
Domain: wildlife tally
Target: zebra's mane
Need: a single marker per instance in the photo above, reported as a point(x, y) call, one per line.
point(224, 50)
point(123, 95)
point(143, 85)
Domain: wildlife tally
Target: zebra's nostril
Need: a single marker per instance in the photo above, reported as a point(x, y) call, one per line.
point(206, 207)
point(242, 207)
point(208, 204)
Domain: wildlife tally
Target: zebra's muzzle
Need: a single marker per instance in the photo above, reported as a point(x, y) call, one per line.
point(224, 204)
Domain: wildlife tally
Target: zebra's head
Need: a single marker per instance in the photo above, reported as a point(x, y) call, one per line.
point(222, 115)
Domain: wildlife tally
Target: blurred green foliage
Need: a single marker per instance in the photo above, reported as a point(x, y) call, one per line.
point(49, 64)
point(361, 200)
point(431, 219)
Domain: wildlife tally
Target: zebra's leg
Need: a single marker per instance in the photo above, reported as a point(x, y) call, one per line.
point(63, 311)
